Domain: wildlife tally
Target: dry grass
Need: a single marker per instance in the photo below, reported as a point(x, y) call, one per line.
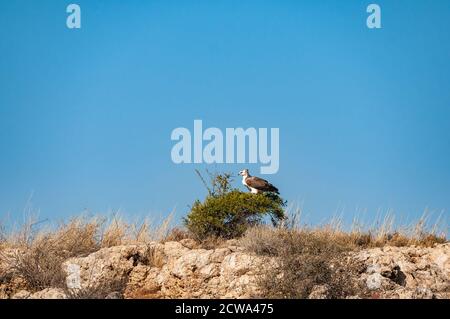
point(153, 258)
point(84, 235)
point(103, 290)
point(39, 265)
point(177, 234)
point(212, 242)
point(382, 232)
point(36, 255)
point(306, 256)
point(309, 257)
point(3, 241)
point(2, 234)
point(304, 259)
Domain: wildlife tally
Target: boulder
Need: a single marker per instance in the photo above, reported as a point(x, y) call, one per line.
point(106, 265)
point(197, 273)
point(407, 272)
point(319, 292)
point(48, 293)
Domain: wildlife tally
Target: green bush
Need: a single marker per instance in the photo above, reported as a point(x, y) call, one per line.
point(229, 212)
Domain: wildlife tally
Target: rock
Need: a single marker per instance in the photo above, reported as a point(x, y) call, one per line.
point(183, 270)
point(11, 286)
point(106, 265)
point(114, 295)
point(319, 292)
point(49, 293)
point(173, 249)
point(22, 294)
point(190, 262)
point(236, 264)
point(189, 243)
point(209, 271)
point(407, 272)
point(423, 293)
point(197, 273)
point(353, 297)
point(374, 281)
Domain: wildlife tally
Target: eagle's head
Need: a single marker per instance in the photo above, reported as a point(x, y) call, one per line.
point(244, 173)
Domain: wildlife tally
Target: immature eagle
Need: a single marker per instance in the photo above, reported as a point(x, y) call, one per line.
point(255, 184)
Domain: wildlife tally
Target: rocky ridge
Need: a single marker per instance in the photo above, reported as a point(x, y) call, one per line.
point(182, 270)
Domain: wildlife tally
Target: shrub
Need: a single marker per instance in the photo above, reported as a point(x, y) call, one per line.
point(304, 259)
point(103, 290)
point(40, 265)
point(297, 275)
point(177, 234)
point(39, 260)
point(227, 212)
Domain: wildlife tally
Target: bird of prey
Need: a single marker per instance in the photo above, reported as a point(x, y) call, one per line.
point(255, 184)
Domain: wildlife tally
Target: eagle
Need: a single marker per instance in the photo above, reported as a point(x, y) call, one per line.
point(257, 185)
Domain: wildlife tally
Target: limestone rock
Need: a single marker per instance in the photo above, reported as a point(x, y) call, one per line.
point(196, 273)
point(183, 270)
point(106, 265)
point(407, 272)
point(48, 293)
point(319, 292)
point(22, 294)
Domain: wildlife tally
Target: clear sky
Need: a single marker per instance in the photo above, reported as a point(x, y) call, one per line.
point(86, 115)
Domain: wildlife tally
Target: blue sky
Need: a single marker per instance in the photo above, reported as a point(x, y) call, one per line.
point(86, 115)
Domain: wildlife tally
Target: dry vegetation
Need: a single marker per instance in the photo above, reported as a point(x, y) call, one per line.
point(311, 257)
point(37, 255)
point(304, 257)
point(102, 290)
point(307, 257)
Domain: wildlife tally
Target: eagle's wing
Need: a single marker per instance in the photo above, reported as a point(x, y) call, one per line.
point(256, 182)
point(260, 184)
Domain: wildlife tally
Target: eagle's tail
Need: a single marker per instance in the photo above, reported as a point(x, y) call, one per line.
point(273, 189)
